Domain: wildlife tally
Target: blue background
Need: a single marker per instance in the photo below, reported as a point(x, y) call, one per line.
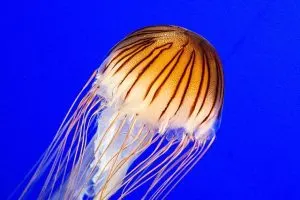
point(50, 48)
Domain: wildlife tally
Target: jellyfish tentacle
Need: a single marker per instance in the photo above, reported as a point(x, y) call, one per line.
point(66, 160)
point(112, 158)
point(135, 151)
point(115, 160)
point(83, 133)
point(152, 172)
point(138, 182)
point(76, 121)
point(182, 161)
point(140, 167)
point(77, 137)
point(83, 105)
point(87, 172)
point(52, 152)
point(140, 148)
point(119, 170)
point(48, 155)
point(197, 158)
point(162, 172)
point(86, 176)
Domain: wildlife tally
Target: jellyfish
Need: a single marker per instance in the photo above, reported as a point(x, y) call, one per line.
point(146, 116)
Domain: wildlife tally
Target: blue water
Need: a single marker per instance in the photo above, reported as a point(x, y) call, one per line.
point(50, 48)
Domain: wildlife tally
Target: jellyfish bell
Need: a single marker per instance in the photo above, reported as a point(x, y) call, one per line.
point(164, 81)
point(160, 88)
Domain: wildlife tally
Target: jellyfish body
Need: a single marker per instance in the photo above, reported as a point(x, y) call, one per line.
point(146, 116)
